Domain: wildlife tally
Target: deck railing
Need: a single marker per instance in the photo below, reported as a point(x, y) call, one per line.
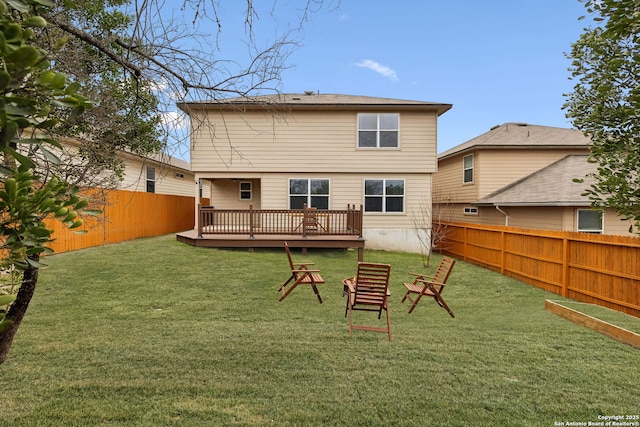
point(304, 222)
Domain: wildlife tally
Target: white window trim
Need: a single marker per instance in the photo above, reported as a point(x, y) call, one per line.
point(472, 168)
point(147, 180)
point(309, 195)
point(470, 210)
point(384, 196)
point(250, 190)
point(601, 231)
point(377, 147)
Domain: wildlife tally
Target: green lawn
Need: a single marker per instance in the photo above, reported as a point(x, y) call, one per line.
point(157, 333)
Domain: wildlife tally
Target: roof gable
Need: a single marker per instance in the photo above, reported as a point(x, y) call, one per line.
point(521, 135)
point(552, 185)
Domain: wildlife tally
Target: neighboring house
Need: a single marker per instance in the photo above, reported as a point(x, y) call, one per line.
point(325, 151)
point(161, 174)
point(521, 175)
point(155, 173)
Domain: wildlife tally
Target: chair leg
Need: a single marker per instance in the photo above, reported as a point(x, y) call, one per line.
point(444, 305)
point(415, 302)
point(315, 290)
point(388, 323)
point(405, 297)
point(286, 292)
point(285, 284)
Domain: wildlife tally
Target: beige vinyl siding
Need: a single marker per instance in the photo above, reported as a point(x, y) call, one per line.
point(448, 183)
point(135, 178)
point(537, 217)
point(525, 217)
point(225, 194)
point(303, 141)
point(546, 218)
point(498, 168)
point(613, 224)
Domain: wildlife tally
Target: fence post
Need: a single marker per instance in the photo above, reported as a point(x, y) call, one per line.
point(565, 267)
point(503, 257)
point(466, 241)
point(199, 224)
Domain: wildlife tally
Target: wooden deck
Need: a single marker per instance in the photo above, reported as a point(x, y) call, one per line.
point(191, 237)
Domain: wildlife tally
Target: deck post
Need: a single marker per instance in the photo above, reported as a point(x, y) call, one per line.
point(360, 221)
point(304, 221)
point(251, 223)
point(199, 219)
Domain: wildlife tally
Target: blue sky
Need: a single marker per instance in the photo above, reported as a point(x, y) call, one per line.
point(496, 61)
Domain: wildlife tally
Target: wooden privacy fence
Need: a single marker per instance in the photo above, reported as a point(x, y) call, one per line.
point(127, 215)
point(592, 268)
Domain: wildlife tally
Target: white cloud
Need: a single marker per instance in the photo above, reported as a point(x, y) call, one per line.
point(175, 119)
point(379, 68)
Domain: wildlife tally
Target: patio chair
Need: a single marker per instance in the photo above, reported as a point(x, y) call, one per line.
point(310, 221)
point(369, 291)
point(300, 274)
point(430, 286)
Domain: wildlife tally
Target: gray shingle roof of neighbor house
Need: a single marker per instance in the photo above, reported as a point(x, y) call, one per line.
point(552, 185)
point(313, 100)
point(521, 135)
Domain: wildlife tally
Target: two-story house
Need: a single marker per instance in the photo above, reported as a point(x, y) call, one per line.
point(521, 175)
point(286, 151)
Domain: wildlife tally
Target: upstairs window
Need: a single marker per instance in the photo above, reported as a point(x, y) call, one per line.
point(151, 179)
point(384, 195)
point(467, 169)
point(245, 191)
point(312, 192)
point(378, 130)
point(590, 221)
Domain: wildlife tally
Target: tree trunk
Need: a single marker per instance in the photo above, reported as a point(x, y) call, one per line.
point(19, 308)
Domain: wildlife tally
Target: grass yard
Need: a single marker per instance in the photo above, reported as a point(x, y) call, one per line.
point(157, 333)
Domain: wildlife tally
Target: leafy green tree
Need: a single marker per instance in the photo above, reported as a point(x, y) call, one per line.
point(125, 115)
point(33, 99)
point(605, 102)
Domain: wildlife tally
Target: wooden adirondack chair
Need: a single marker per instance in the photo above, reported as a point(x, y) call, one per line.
point(430, 286)
point(369, 291)
point(300, 274)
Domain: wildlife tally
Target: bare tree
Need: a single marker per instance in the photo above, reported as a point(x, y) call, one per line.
point(430, 223)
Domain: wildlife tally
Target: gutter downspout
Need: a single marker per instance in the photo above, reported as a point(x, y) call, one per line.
point(506, 215)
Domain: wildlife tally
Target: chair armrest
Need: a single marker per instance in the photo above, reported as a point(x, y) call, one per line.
point(422, 276)
point(429, 280)
point(302, 264)
point(350, 283)
point(430, 284)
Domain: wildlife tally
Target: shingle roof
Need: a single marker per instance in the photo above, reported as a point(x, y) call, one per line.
point(521, 135)
point(314, 100)
point(550, 186)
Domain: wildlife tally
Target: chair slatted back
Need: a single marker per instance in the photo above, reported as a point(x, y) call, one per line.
point(286, 248)
point(310, 220)
point(444, 270)
point(372, 283)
